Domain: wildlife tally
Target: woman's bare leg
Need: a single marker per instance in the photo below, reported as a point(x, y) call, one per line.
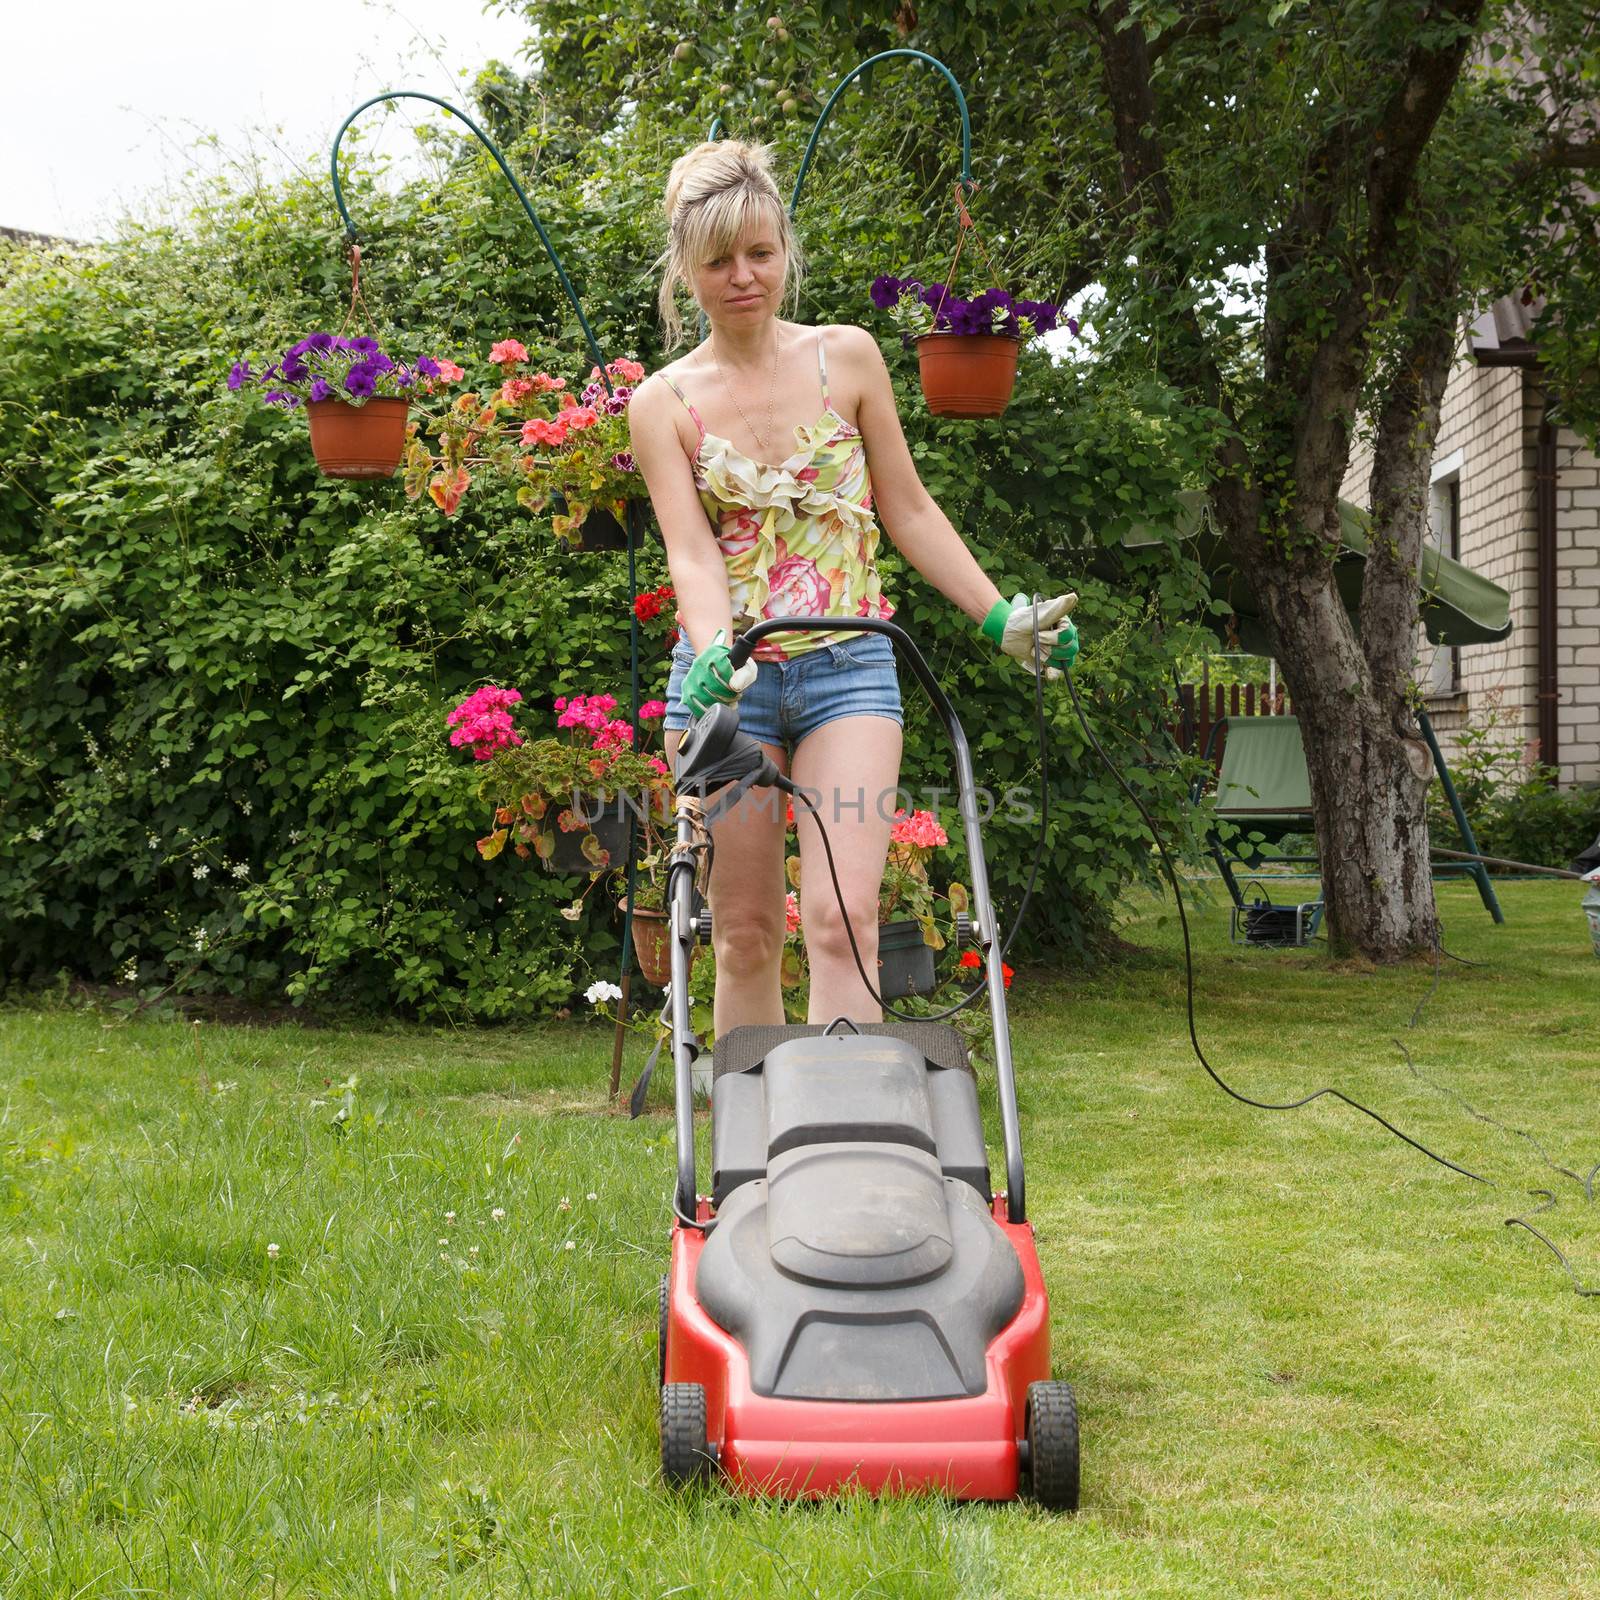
point(850, 767)
point(747, 901)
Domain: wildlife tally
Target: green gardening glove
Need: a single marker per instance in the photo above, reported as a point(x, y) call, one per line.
point(712, 680)
point(1010, 624)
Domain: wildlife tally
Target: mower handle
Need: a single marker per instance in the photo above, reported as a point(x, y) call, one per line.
point(983, 917)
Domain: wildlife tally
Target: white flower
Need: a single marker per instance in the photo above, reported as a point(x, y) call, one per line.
point(444, 1255)
point(472, 1249)
point(570, 1245)
point(498, 1214)
point(130, 972)
point(36, 834)
point(600, 991)
point(444, 1241)
point(244, 806)
point(563, 1204)
point(166, 761)
point(155, 843)
point(272, 1252)
point(449, 1216)
point(240, 869)
point(591, 1195)
point(202, 871)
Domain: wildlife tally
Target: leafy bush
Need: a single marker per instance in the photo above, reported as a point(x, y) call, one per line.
point(1511, 799)
point(223, 678)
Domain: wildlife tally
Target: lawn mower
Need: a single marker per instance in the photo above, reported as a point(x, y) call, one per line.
point(850, 1305)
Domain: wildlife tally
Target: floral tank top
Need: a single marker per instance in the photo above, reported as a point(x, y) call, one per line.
point(799, 539)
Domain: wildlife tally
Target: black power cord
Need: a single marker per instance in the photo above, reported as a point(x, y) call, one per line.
point(1546, 1195)
point(1293, 1105)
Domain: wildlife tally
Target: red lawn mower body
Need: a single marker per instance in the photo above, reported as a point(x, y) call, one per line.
point(967, 1448)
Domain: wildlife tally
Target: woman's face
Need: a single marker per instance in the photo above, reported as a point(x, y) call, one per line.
point(745, 285)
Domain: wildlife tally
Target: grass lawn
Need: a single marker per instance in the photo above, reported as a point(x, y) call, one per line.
point(1309, 1361)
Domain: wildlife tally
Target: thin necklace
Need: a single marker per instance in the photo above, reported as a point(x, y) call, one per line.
point(772, 390)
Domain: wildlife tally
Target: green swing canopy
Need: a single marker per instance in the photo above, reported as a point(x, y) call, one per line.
point(1459, 606)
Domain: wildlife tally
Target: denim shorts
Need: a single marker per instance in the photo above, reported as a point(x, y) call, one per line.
point(791, 699)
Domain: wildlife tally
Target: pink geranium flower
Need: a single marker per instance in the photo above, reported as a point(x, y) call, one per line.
point(652, 709)
point(509, 353)
point(579, 416)
point(483, 720)
point(541, 431)
point(450, 372)
point(920, 828)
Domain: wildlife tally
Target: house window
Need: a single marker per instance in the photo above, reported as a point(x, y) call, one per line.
point(1444, 533)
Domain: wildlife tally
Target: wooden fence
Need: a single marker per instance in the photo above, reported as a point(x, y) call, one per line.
point(1201, 706)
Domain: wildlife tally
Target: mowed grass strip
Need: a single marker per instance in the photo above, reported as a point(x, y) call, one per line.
point(1309, 1361)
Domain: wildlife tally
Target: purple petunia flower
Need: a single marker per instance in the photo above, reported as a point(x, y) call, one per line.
point(427, 367)
point(885, 292)
point(362, 346)
point(239, 374)
point(321, 342)
point(294, 369)
point(932, 294)
point(359, 382)
point(321, 389)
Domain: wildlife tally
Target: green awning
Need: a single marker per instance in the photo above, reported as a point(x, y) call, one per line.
point(1459, 606)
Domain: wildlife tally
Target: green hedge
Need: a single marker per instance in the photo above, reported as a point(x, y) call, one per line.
point(223, 678)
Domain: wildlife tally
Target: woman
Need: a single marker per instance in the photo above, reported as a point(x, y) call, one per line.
point(756, 449)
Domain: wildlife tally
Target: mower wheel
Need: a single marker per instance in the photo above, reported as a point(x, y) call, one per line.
point(686, 1455)
point(661, 1325)
point(1052, 1445)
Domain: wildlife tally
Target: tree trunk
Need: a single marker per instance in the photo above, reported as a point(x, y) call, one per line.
point(1368, 778)
point(1277, 501)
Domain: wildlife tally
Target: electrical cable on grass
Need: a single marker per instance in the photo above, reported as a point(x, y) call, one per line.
point(1367, 1111)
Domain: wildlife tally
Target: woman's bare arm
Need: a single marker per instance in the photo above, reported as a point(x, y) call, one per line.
point(919, 529)
point(699, 573)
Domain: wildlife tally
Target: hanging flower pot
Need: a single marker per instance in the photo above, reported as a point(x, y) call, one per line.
point(968, 374)
point(592, 847)
point(966, 349)
point(363, 441)
point(652, 943)
point(356, 399)
point(597, 529)
point(905, 960)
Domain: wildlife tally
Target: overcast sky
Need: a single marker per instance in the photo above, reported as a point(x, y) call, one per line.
point(111, 102)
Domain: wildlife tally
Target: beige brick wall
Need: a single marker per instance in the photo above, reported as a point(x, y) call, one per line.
point(1578, 607)
point(1491, 416)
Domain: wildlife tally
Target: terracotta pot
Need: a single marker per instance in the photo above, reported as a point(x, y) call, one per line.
point(566, 858)
point(652, 944)
point(905, 960)
point(364, 441)
point(968, 374)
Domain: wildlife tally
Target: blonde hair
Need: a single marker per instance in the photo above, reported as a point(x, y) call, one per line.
point(717, 194)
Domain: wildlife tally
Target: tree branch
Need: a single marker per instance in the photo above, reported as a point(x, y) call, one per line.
point(1402, 453)
point(1125, 62)
point(1206, 23)
point(1329, 384)
point(1563, 153)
